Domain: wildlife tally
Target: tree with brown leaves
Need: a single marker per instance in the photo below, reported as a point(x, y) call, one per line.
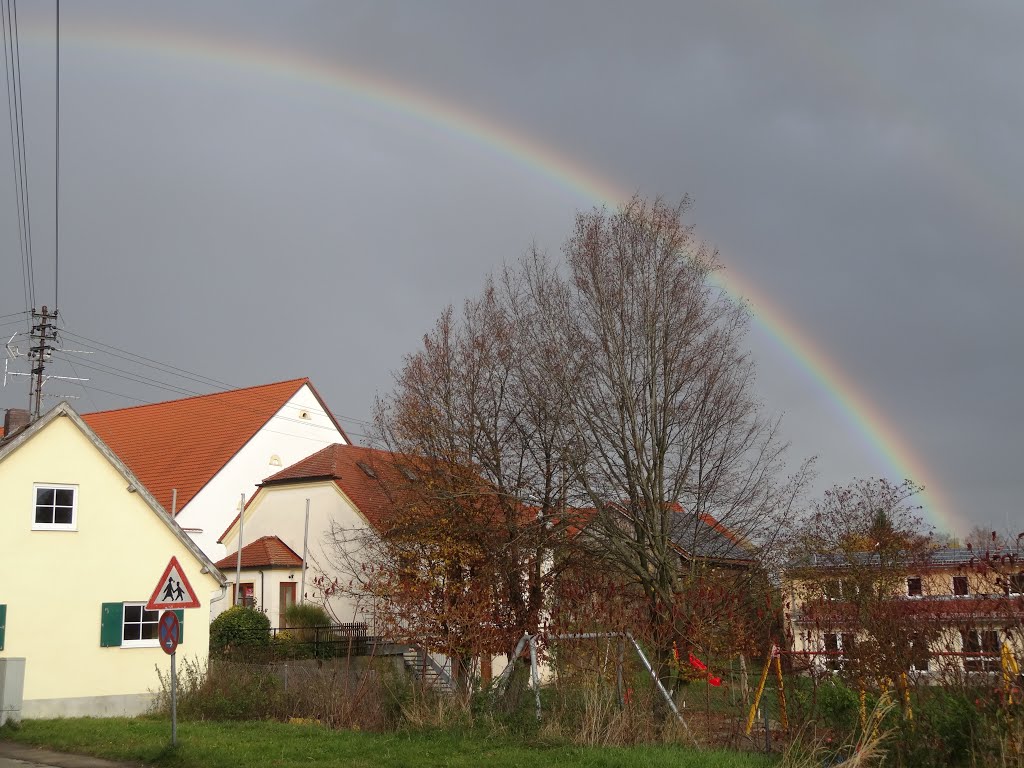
point(615, 385)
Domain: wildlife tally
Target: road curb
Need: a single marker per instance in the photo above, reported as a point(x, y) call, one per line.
point(32, 754)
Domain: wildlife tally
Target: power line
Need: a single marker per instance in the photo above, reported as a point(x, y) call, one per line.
point(135, 378)
point(86, 391)
point(56, 171)
point(21, 141)
point(171, 370)
point(5, 13)
point(155, 364)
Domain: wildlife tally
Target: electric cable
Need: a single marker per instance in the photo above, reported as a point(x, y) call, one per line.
point(21, 142)
point(5, 13)
point(56, 169)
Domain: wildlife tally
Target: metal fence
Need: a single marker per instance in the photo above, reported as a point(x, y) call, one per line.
point(283, 643)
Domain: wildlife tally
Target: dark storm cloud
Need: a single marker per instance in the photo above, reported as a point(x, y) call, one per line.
point(859, 164)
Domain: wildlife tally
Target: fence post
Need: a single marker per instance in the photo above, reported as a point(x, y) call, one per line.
point(620, 685)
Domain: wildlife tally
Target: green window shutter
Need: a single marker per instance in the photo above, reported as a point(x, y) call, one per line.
point(181, 625)
point(111, 619)
point(3, 624)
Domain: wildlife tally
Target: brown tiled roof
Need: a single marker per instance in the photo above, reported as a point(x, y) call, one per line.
point(267, 552)
point(341, 464)
point(183, 443)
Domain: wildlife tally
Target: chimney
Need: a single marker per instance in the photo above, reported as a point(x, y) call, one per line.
point(15, 420)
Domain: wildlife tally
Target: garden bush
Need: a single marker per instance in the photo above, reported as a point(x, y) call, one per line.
point(302, 615)
point(239, 627)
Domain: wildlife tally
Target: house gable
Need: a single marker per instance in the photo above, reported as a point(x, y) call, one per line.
point(60, 584)
point(201, 453)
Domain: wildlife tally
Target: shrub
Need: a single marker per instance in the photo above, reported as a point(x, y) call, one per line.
point(944, 729)
point(239, 627)
point(223, 691)
point(839, 706)
point(301, 615)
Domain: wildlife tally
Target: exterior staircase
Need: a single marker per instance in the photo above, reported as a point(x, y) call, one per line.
point(425, 669)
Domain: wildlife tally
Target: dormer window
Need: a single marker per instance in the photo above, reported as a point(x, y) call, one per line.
point(55, 508)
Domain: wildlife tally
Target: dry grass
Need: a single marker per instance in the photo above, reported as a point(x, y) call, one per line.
point(869, 749)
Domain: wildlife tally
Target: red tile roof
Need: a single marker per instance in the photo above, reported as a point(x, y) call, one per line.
point(341, 464)
point(267, 552)
point(183, 443)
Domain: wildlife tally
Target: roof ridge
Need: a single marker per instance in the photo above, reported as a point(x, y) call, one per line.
point(298, 381)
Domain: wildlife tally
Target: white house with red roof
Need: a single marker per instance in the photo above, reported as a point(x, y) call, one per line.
point(271, 576)
point(198, 455)
point(347, 500)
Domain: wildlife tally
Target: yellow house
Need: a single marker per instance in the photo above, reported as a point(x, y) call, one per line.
point(82, 546)
point(944, 613)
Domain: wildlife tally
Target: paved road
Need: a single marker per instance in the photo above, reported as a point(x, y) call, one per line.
point(21, 756)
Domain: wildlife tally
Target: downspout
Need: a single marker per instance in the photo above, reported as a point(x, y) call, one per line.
point(263, 604)
point(221, 596)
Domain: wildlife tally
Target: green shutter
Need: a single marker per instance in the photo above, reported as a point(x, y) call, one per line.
point(3, 624)
point(181, 625)
point(111, 622)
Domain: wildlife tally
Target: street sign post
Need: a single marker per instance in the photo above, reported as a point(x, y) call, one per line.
point(169, 632)
point(172, 592)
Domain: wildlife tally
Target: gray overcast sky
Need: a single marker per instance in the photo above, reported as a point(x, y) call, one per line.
point(860, 164)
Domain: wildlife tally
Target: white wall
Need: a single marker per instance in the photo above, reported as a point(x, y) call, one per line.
point(280, 511)
point(287, 436)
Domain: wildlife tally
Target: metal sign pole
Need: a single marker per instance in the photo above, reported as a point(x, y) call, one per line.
point(174, 702)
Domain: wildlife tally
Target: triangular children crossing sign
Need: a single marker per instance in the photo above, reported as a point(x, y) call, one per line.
point(173, 590)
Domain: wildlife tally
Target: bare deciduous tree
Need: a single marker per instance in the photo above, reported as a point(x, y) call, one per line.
point(669, 444)
point(615, 384)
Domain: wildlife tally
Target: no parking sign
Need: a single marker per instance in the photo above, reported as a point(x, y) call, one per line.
point(169, 632)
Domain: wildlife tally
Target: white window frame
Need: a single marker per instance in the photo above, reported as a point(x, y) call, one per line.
point(73, 525)
point(153, 642)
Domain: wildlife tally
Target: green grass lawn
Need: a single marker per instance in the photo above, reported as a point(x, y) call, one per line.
point(259, 744)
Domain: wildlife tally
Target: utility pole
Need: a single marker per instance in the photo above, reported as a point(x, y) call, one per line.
point(44, 333)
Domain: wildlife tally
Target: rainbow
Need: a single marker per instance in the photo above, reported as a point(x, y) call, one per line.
point(290, 68)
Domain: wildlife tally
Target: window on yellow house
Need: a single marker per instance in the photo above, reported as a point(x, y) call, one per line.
point(55, 507)
point(960, 586)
